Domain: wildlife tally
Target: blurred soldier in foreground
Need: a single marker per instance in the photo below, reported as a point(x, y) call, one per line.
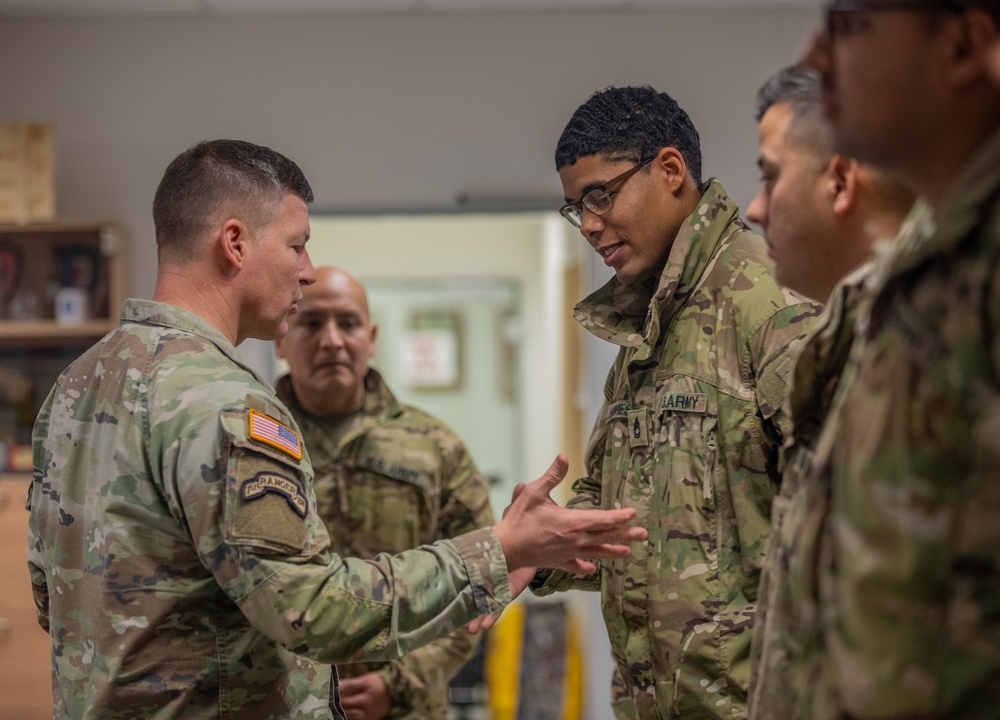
point(902, 590)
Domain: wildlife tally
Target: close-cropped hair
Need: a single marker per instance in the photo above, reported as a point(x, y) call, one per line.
point(629, 123)
point(800, 87)
point(217, 174)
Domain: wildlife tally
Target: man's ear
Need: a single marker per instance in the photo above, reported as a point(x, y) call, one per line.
point(971, 40)
point(674, 169)
point(371, 345)
point(842, 181)
point(233, 240)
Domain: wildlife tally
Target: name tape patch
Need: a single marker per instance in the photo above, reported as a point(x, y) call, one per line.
point(685, 402)
point(265, 429)
point(271, 482)
point(618, 410)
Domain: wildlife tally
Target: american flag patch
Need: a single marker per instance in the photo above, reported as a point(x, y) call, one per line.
point(269, 431)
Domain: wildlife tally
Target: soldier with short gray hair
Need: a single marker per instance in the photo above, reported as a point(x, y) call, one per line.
point(822, 213)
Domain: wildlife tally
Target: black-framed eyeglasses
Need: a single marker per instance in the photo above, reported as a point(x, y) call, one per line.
point(837, 14)
point(598, 200)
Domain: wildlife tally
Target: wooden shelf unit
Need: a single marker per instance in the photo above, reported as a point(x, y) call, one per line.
point(34, 346)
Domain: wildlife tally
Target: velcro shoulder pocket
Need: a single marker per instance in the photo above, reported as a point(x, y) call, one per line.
point(268, 501)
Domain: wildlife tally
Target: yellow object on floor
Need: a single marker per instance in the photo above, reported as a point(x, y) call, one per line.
point(534, 663)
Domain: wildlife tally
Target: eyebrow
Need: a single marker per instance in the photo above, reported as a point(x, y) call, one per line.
point(586, 189)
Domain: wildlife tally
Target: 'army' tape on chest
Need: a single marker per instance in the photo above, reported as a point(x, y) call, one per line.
point(685, 402)
point(672, 401)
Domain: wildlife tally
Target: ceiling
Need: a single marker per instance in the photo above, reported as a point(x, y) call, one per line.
point(67, 9)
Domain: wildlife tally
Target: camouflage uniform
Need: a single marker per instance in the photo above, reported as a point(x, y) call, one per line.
point(398, 478)
point(803, 503)
point(909, 569)
point(689, 436)
point(176, 555)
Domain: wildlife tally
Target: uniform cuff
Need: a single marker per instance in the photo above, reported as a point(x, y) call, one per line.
point(487, 568)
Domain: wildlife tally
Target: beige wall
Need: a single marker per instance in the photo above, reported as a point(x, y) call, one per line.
point(382, 112)
point(387, 112)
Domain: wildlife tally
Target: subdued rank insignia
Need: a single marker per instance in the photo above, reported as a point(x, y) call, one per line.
point(265, 429)
point(272, 482)
point(685, 402)
point(638, 428)
point(918, 341)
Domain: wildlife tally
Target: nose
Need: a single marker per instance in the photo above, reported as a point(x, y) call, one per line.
point(757, 210)
point(307, 273)
point(817, 53)
point(591, 224)
point(330, 336)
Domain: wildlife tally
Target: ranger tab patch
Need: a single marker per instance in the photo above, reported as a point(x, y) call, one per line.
point(272, 482)
point(265, 429)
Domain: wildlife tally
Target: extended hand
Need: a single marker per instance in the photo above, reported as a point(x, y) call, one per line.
point(364, 697)
point(536, 532)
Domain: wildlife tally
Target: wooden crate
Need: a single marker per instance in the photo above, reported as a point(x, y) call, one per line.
point(27, 173)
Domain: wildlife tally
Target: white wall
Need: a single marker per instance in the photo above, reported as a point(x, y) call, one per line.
point(388, 112)
point(517, 247)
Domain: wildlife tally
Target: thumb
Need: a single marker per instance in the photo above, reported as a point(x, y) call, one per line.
point(554, 475)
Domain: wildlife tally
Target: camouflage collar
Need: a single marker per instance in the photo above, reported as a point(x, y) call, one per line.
point(379, 405)
point(148, 312)
point(379, 399)
point(630, 314)
point(974, 193)
point(824, 353)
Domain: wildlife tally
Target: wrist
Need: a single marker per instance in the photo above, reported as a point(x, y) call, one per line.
point(507, 545)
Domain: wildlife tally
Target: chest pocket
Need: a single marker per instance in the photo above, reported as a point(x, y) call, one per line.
point(686, 435)
point(389, 507)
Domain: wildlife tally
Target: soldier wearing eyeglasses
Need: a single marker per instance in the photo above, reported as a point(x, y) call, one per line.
point(692, 423)
point(899, 599)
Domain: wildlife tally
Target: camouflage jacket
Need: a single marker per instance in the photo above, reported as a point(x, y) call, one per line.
point(786, 616)
point(397, 479)
point(909, 572)
point(176, 555)
point(689, 435)
point(801, 504)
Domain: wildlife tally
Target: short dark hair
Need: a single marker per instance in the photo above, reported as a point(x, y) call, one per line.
point(630, 123)
point(800, 87)
point(216, 172)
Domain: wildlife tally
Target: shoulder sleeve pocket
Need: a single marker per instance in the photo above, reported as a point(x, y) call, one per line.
point(268, 502)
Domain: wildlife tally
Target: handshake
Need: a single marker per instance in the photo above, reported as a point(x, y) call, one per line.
point(536, 532)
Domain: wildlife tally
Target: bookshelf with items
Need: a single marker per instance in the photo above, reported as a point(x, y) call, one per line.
point(61, 289)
